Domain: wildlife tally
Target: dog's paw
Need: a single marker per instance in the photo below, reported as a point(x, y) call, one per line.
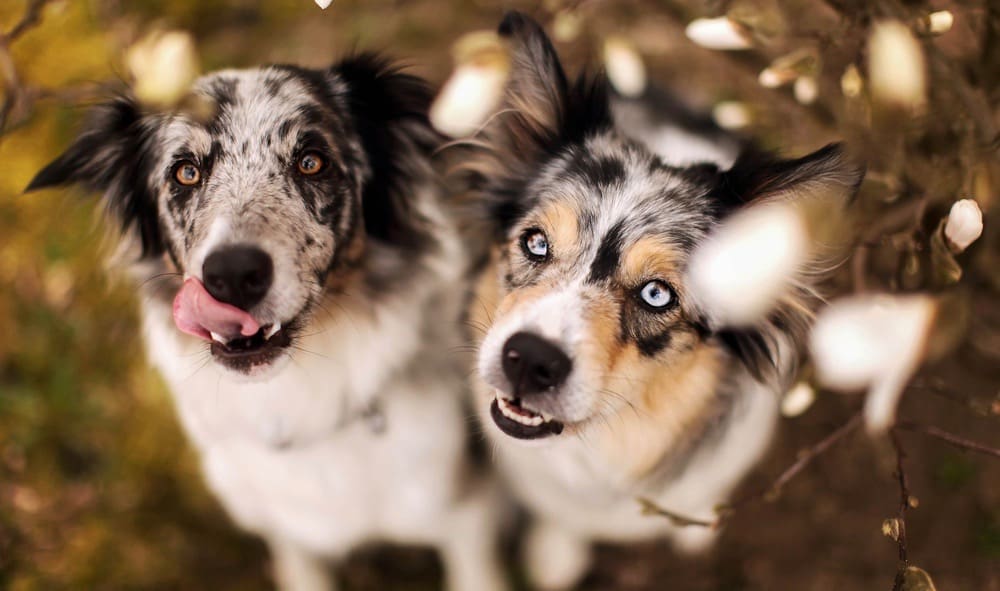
point(555, 559)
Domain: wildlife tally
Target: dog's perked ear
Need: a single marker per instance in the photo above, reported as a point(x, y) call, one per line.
point(757, 176)
point(539, 116)
point(389, 110)
point(112, 156)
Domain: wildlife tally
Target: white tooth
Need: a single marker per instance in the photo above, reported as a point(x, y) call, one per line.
point(272, 331)
point(513, 415)
point(218, 338)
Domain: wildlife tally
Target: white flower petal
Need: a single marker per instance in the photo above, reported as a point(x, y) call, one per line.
point(324, 3)
point(624, 65)
point(732, 115)
point(940, 21)
point(875, 342)
point(738, 273)
point(718, 33)
point(163, 67)
point(797, 400)
point(896, 66)
point(964, 225)
point(468, 98)
point(806, 90)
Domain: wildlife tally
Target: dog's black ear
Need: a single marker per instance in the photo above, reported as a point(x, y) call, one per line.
point(541, 111)
point(539, 116)
point(112, 156)
point(827, 173)
point(389, 111)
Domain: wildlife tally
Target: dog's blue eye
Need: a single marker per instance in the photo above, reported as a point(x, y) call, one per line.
point(656, 294)
point(535, 244)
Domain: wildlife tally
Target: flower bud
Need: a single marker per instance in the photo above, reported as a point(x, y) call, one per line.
point(624, 65)
point(896, 66)
point(964, 225)
point(874, 342)
point(851, 83)
point(163, 67)
point(797, 400)
point(475, 88)
point(718, 33)
point(732, 115)
point(739, 272)
point(806, 90)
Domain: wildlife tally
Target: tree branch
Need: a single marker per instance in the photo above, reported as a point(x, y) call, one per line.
point(950, 438)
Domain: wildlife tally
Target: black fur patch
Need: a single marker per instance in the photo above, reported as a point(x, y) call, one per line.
point(608, 255)
point(389, 110)
point(650, 346)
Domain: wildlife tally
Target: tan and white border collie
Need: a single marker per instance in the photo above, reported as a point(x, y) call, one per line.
point(600, 378)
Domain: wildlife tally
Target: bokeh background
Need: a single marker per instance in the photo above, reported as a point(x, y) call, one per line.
point(98, 489)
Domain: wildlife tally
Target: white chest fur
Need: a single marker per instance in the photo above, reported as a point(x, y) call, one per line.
point(292, 457)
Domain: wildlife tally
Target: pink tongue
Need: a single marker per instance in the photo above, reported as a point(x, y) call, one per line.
point(197, 313)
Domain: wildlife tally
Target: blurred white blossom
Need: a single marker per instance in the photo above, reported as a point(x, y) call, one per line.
point(873, 342)
point(324, 3)
point(896, 66)
point(806, 90)
point(797, 400)
point(732, 115)
point(163, 66)
point(964, 225)
point(566, 25)
point(718, 33)
point(851, 83)
point(624, 66)
point(475, 88)
point(738, 273)
point(789, 67)
point(940, 22)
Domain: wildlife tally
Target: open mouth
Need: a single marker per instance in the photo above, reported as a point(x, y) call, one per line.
point(517, 421)
point(258, 349)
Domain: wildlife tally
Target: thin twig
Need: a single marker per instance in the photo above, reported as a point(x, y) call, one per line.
point(950, 438)
point(769, 493)
point(14, 92)
point(904, 504)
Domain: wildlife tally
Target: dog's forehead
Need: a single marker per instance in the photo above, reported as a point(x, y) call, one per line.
point(618, 187)
point(249, 104)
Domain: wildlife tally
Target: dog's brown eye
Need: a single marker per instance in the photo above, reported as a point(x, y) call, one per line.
point(187, 174)
point(310, 163)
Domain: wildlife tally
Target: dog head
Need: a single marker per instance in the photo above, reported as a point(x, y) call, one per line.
point(588, 311)
point(269, 204)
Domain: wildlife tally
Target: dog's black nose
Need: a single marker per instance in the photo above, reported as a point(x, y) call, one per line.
point(534, 365)
point(238, 275)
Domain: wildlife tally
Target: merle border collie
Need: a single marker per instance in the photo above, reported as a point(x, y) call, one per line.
point(600, 379)
point(301, 294)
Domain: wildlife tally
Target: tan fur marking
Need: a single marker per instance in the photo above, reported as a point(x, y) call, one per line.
point(669, 404)
point(559, 221)
point(650, 257)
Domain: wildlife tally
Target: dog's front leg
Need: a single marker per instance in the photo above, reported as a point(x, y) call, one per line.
point(298, 570)
point(556, 558)
point(469, 542)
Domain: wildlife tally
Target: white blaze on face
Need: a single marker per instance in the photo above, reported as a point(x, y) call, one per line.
point(874, 342)
point(739, 273)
